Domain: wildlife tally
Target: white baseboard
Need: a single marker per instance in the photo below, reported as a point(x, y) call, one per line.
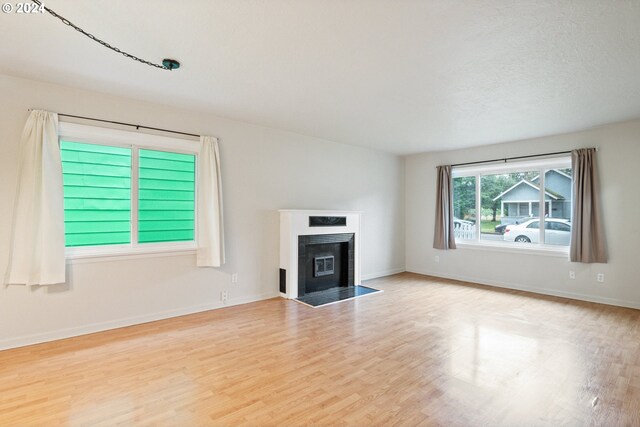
point(251, 298)
point(543, 291)
point(121, 323)
point(382, 273)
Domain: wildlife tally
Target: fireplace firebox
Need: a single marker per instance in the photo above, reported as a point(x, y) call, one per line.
point(325, 261)
point(323, 265)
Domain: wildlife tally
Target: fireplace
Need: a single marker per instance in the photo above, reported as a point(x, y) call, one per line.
point(325, 261)
point(319, 250)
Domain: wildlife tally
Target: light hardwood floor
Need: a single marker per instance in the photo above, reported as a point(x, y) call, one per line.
point(426, 351)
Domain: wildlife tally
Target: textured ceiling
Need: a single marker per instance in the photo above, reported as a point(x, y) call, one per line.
point(400, 76)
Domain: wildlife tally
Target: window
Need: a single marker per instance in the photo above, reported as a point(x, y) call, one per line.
point(97, 194)
point(166, 196)
point(503, 205)
point(127, 192)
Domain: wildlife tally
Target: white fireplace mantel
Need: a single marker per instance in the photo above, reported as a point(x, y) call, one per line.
point(295, 223)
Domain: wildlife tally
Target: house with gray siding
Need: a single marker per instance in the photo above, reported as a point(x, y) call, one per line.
point(523, 198)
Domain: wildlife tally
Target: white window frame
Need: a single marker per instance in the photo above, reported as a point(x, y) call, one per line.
point(539, 165)
point(74, 132)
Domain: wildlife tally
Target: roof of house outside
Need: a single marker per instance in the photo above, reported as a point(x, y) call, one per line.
point(553, 194)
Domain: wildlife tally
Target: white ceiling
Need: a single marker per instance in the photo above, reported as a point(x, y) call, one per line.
point(400, 76)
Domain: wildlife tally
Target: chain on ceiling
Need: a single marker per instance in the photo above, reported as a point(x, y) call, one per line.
point(167, 64)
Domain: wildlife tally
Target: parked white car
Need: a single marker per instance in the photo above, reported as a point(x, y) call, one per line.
point(556, 232)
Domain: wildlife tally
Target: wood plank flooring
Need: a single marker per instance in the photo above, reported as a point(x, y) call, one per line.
point(425, 351)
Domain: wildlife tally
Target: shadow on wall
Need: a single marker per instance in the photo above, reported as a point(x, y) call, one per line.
point(270, 253)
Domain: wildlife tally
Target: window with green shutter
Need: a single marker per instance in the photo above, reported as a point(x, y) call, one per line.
point(166, 201)
point(128, 196)
point(97, 194)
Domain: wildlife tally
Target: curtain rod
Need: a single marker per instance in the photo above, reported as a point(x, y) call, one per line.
point(505, 159)
point(128, 124)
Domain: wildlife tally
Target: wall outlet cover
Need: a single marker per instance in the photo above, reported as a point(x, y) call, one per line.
point(600, 277)
point(572, 275)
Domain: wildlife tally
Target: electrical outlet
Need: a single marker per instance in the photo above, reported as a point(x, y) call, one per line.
point(234, 278)
point(600, 277)
point(437, 259)
point(224, 296)
point(572, 275)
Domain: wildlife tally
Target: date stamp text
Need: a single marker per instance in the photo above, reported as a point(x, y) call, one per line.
point(22, 8)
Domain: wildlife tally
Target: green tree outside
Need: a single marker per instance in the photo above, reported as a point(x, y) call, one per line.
point(491, 186)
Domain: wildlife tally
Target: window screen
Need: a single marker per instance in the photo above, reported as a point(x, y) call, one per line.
point(166, 202)
point(97, 194)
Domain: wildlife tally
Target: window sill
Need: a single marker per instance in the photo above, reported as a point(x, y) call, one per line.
point(89, 255)
point(513, 248)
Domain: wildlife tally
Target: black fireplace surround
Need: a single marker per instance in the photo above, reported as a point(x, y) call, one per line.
point(325, 261)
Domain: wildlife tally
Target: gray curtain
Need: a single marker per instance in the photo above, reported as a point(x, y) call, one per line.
point(444, 237)
point(587, 231)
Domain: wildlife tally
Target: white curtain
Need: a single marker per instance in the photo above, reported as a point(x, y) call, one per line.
point(209, 199)
point(36, 254)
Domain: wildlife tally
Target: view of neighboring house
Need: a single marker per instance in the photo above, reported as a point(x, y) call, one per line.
point(522, 199)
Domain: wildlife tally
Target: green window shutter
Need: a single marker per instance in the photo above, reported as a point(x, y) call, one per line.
point(97, 194)
point(166, 196)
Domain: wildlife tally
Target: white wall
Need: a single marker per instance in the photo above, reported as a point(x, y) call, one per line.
point(619, 158)
point(263, 170)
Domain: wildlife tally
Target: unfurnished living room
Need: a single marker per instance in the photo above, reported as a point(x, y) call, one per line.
point(320, 213)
